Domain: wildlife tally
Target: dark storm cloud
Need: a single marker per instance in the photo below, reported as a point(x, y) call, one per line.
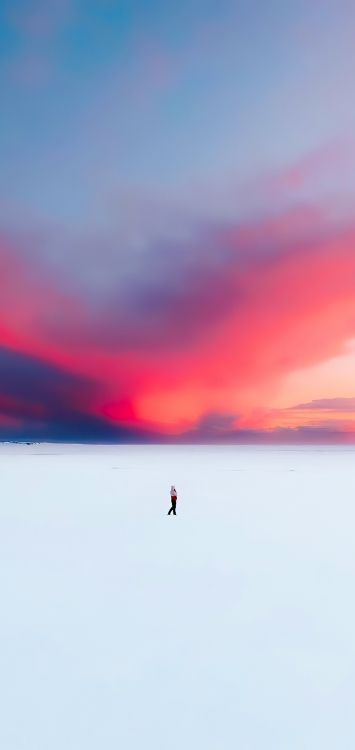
point(28, 378)
point(48, 403)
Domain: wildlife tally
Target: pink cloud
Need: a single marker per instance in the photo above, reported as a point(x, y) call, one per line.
point(234, 308)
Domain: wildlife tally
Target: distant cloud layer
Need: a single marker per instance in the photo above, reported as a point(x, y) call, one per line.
point(329, 404)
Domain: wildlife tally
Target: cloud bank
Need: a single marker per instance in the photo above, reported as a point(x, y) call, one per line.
point(202, 327)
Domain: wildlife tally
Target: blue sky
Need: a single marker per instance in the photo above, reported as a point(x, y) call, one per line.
point(154, 95)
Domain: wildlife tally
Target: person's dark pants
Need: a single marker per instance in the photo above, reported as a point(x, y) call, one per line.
point(173, 506)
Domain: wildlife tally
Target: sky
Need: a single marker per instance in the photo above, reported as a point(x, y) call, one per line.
point(177, 222)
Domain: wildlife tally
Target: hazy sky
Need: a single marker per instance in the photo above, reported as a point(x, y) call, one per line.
point(177, 231)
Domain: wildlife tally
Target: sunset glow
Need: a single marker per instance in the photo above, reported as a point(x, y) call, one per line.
point(177, 231)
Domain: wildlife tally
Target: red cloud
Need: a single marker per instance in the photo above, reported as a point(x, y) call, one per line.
point(238, 308)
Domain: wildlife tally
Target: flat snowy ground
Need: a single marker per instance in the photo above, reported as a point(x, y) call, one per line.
point(229, 626)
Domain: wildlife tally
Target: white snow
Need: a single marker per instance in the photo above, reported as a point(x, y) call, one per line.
point(229, 626)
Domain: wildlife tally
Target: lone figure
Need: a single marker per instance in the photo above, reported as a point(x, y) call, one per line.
point(173, 495)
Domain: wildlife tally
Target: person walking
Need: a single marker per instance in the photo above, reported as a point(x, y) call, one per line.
point(173, 495)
